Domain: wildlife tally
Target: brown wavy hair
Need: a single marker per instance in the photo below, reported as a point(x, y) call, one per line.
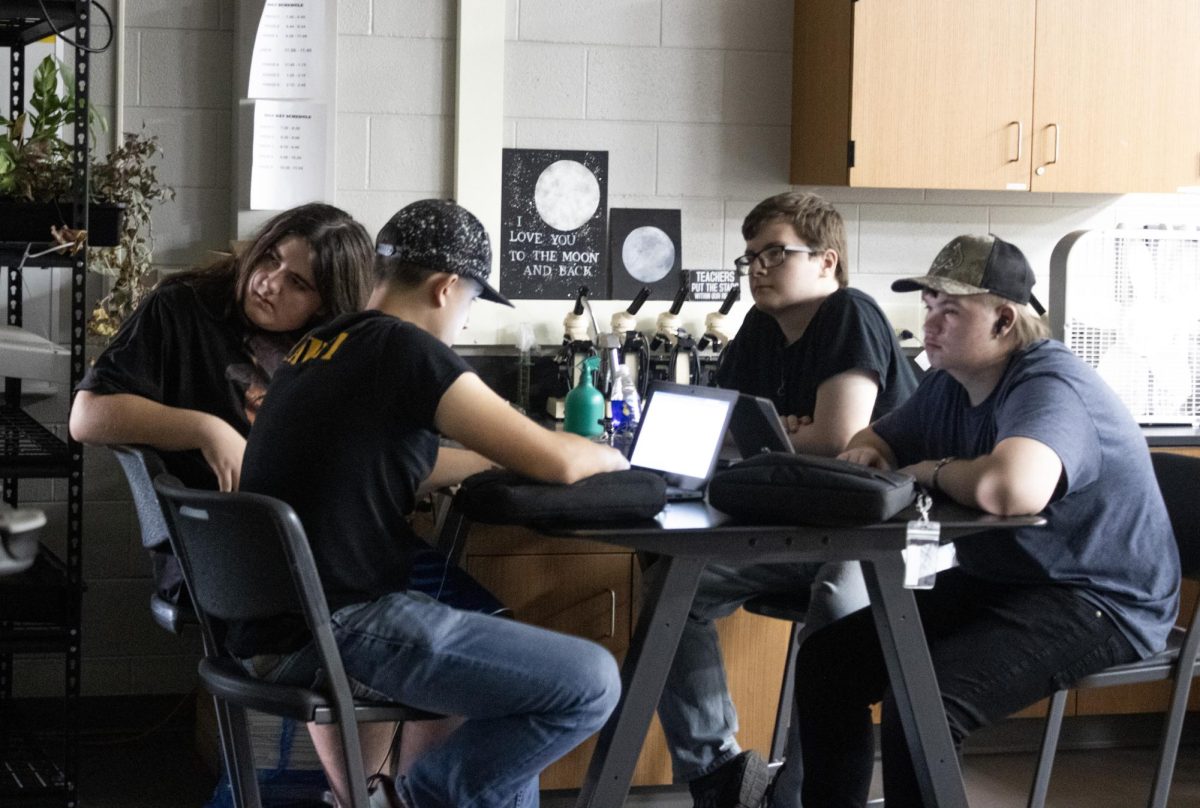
point(342, 254)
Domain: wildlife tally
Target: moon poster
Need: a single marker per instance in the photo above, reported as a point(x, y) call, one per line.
point(646, 250)
point(552, 233)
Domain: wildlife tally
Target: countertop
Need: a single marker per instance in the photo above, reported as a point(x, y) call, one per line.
point(1171, 435)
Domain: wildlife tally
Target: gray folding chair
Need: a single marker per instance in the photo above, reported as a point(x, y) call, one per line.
point(169, 604)
point(246, 557)
point(1179, 480)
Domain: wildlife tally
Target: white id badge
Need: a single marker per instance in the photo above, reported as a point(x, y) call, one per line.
point(921, 548)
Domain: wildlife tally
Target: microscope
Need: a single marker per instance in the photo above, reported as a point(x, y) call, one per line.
point(632, 351)
point(673, 353)
point(576, 346)
point(716, 337)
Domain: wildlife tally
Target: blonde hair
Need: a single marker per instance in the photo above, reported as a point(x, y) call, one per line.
point(1028, 327)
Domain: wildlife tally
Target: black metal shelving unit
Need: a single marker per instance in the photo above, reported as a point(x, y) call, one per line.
point(40, 609)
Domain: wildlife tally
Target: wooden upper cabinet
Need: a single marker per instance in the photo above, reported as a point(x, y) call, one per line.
point(931, 110)
point(971, 94)
point(1118, 84)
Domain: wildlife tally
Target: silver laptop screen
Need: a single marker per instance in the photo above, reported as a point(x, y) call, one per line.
point(680, 434)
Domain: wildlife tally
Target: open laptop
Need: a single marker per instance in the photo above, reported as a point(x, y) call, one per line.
point(680, 435)
point(757, 428)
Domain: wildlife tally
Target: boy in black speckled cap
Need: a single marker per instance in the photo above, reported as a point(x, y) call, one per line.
point(435, 235)
point(349, 438)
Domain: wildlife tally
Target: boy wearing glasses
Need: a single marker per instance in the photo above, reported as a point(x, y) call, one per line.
point(829, 359)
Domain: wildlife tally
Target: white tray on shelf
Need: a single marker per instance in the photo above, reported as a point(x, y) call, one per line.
point(25, 355)
point(18, 537)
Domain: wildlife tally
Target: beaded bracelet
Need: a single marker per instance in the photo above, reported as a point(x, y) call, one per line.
point(933, 480)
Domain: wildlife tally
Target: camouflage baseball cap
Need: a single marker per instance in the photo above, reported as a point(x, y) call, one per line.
point(976, 265)
point(441, 235)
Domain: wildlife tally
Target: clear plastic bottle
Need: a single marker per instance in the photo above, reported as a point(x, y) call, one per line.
point(526, 343)
point(626, 408)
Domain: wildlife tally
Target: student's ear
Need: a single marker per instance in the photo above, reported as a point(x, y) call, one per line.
point(1005, 317)
point(829, 262)
point(440, 286)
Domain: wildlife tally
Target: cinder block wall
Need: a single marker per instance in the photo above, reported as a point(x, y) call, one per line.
point(691, 98)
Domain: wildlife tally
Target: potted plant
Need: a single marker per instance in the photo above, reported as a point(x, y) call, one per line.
point(129, 177)
point(35, 189)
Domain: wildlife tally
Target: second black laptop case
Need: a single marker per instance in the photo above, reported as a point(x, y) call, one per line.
point(803, 489)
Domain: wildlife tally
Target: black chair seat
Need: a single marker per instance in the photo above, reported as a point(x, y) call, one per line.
point(226, 679)
point(1151, 669)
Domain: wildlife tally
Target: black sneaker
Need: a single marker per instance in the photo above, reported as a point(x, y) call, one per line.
point(739, 783)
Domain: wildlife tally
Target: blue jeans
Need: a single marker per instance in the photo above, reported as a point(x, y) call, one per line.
point(996, 648)
point(529, 695)
point(696, 711)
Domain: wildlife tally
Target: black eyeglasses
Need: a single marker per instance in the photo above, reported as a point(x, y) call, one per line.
point(769, 257)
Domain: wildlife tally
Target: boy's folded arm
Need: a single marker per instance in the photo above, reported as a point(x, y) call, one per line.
point(844, 405)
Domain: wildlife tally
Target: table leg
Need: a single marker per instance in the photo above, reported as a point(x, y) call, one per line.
point(914, 684)
point(651, 652)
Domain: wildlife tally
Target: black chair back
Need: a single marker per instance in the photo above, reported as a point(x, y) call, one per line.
point(246, 557)
point(1179, 480)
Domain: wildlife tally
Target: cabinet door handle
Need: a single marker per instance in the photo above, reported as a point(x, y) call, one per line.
point(1020, 139)
point(1057, 131)
point(612, 613)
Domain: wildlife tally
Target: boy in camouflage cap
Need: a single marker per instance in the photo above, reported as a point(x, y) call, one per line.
point(1008, 422)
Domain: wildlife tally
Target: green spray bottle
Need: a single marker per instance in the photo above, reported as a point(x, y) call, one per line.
point(585, 404)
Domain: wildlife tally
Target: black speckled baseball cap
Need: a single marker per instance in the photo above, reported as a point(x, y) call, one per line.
point(441, 235)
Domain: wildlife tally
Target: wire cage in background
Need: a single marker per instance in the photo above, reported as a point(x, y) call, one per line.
point(1127, 302)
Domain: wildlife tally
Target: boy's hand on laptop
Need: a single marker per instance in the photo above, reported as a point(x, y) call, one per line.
point(613, 459)
point(588, 457)
point(865, 456)
point(792, 423)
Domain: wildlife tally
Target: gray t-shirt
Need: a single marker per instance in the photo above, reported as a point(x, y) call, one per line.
point(1107, 529)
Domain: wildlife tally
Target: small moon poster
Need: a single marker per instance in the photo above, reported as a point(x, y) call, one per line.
point(554, 205)
point(646, 250)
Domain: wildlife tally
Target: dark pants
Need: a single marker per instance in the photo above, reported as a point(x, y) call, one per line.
point(434, 575)
point(996, 649)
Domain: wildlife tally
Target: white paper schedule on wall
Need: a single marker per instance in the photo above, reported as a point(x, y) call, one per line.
point(289, 50)
point(289, 154)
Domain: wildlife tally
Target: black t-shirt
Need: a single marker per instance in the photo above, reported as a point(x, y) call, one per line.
point(848, 332)
point(345, 437)
point(183, 350)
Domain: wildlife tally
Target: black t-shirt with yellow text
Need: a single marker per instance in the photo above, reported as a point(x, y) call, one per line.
point(345, 437)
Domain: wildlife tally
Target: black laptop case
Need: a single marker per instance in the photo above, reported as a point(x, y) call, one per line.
point(781, 488)
point(499, 496)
